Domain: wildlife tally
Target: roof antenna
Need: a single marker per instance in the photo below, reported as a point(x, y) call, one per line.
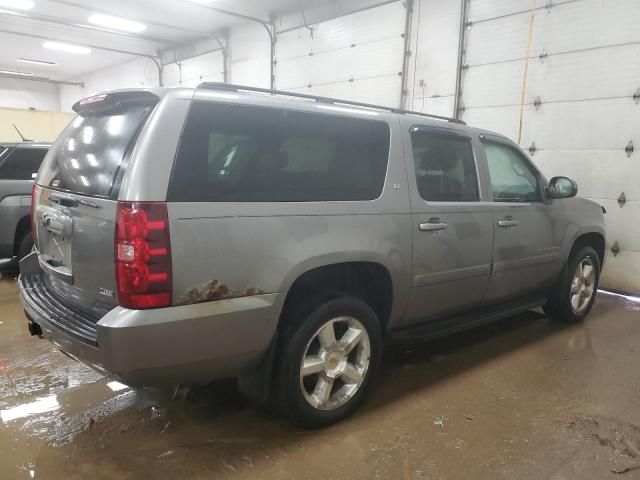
point(20, 133)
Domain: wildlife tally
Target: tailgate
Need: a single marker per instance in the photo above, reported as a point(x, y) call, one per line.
point(75, 198)
point(75, 241)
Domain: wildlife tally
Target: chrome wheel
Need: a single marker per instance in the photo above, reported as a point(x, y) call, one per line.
point(583, 285)
point(335, 363)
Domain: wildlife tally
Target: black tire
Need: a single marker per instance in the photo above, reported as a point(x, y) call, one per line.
point(300, 326)
point(559, 306)
point(26, 244)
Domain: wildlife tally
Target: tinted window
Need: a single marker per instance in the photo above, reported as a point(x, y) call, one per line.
point(513, 179)
point(88, 155)
point(21, 163)
point(236, 153)
point(445, 167)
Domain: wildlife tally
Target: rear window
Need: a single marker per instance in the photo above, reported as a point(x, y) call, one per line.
point(88, 156)
point(235, 153)
point(20, 163)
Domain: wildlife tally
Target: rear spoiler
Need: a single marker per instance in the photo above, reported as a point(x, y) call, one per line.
point(104, 102)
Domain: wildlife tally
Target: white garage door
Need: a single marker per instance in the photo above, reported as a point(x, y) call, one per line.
point(579, 112)
point(356, 57)
point(192, 72)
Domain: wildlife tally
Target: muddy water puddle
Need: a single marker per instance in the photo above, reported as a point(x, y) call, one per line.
point(523, 398)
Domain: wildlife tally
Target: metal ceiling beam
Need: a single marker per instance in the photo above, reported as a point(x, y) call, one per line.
point(70, 23)
point(41, 79)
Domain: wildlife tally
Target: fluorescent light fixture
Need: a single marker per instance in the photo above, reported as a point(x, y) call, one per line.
point(66, 47)
point(18, 4)
point(37, 62)
point(116, 23)
point(20, 74)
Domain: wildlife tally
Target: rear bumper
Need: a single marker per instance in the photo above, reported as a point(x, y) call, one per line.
point(184, 344)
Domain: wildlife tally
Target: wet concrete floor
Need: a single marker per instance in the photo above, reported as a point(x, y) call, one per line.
point(520, 399)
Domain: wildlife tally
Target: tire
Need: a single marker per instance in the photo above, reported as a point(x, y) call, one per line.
point(26, 244)
point(347, 377)
point(571, 300)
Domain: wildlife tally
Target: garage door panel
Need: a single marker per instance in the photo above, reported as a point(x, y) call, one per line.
point(599, 173)
point(386, 21)
point(293, 44)
point(621, 272)
point(601, 73)
point(497, 40)
point(580, 25)
point(503, 120)
point(434, 105)
point(622, 223)
point(380, 91)
point(383, 58)
point(489, 85)
point(346, 57)
point(487, 9)
point(599, 124)
point(293, 73)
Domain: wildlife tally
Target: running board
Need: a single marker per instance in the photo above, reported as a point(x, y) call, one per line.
point(446, 326)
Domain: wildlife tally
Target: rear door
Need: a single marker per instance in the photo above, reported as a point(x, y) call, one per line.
point(76, 194)
point(452, 224)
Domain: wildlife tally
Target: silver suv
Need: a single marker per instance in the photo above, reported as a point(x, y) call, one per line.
point(19, 163)
point(186, 235)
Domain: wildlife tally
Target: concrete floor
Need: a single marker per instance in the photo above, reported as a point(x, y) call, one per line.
point(519, 399)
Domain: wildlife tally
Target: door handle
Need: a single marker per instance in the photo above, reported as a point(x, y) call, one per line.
point(433, 225)
point(508, 221)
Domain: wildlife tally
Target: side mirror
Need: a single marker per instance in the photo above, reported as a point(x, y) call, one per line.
point(562, 187)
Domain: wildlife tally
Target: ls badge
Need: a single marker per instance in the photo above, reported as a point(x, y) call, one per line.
point(106, 292)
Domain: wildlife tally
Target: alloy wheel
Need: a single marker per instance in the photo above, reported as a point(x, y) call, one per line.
point(582, 285)
point(335, 363)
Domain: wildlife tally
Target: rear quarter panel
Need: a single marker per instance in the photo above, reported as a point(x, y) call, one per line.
point(255, 247)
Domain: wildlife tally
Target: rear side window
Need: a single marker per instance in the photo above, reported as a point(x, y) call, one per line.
point(236, 153)
point(88, 155)
point(445, 167)
point(21, 163)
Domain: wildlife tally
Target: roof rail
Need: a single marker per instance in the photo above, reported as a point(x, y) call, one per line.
point(236, 88)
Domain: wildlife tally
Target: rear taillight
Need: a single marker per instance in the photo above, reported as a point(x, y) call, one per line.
point(143, 255)
point(34, 230)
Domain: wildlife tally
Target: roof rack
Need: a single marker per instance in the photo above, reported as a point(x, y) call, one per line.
point(236, 88)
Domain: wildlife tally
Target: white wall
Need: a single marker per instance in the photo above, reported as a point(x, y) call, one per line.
point(434, 56)
point(138, 73)
point(27, 94)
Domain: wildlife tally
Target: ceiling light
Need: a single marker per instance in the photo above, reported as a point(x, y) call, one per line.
point(17, 4)
point(116, 23)
point(66, 47)
point(37, 62)
point(11, 72)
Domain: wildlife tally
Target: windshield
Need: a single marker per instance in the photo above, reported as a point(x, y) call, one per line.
point(88, 156)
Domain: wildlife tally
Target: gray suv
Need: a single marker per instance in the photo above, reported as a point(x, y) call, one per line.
point(186, 235)
point(19, 163)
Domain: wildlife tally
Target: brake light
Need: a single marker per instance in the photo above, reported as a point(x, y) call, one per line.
point(34, 230)
point(143, 255)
